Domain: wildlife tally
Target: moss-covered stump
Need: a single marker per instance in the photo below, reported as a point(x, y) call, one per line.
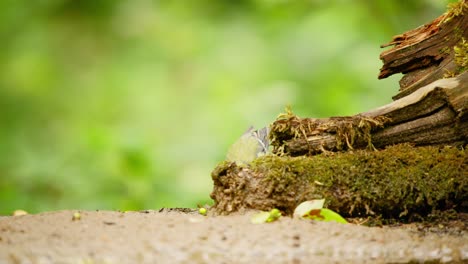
point(400, 181)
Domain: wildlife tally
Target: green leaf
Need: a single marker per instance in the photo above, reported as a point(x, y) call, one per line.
point(274, 215)
point(260, 218)
point(266, 217)
point(307, 207)
point(329, 215)
point(314, 210)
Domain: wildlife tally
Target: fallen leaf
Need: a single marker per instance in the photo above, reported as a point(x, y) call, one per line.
point(328, 215)
point(260, 218)
point(275, 214)
point(305, 208)
point(266, 217)
point(314, 210)
point(19, 212)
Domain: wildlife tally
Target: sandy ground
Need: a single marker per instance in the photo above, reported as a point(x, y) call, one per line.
point(171, 236)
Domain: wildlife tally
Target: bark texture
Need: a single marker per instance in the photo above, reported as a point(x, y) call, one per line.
point(430, 109)
point(404, 160)
point(435, 114)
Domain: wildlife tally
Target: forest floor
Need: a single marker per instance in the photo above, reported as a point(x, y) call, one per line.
point(184, 236)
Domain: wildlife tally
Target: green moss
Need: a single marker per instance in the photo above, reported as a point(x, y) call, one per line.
point(454, 10)
point(444, 51)
point(222, 169)
point(458, 33)
point(449, 74)
point(348, 131)
point(400, 181)
point(461, 55)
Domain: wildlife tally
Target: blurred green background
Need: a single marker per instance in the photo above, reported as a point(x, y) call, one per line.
point(108, 104)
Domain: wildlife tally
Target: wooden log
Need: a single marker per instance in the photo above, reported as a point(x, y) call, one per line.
point(433, 115)
point(400, 182)
point(426, 173)
point(430, 109)
point(427, 53)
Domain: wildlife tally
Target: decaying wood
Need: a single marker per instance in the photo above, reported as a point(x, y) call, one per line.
point(426, 54)
point(431, 109)
point(399, 180)
point(434, 114)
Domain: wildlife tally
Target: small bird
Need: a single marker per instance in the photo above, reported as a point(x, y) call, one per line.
point(252, 144)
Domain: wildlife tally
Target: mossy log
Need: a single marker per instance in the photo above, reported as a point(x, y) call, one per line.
point(430, 109)
point(430, 52)
point(433, 115)
point(403, 160)
point(400, 181)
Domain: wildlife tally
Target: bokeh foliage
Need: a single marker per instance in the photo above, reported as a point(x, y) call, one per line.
point(108, 104)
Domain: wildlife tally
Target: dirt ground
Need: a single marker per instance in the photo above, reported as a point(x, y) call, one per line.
point(184, 236)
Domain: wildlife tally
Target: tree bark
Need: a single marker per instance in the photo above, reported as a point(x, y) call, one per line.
point(433, 115)
point(427, 53)
point(430, 109)
point(397, 181)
